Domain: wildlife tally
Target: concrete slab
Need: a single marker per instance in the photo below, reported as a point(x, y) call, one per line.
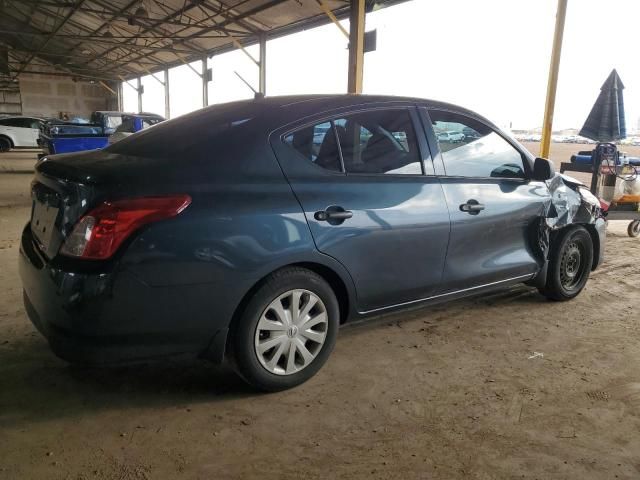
point(19, 161)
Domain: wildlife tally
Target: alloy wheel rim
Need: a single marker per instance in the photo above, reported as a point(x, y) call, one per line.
point(571, 266)
point(291, 332)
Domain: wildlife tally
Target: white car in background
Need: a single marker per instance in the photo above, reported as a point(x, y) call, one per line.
point(451, 137)
point(19, 132)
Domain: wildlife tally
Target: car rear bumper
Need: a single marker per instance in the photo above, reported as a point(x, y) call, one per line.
point(110, 317)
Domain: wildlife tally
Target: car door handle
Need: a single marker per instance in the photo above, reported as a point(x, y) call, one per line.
point(334, 215)
point(472, 207)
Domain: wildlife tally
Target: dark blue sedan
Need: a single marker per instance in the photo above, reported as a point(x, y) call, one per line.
point(252, 230)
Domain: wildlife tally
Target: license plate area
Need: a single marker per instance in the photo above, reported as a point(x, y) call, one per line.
point(43, 222)
point(44, 214)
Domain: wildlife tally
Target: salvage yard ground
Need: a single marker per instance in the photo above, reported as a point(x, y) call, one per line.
point(502, 386)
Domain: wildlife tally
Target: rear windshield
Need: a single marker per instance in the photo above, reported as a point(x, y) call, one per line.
point(192, 134)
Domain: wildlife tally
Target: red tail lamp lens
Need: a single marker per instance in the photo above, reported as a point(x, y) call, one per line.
point(99, 233)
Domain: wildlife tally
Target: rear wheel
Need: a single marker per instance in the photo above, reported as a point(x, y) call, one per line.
point(633, 230)
point(569, 264)
point(287, 330)
point(5, 144)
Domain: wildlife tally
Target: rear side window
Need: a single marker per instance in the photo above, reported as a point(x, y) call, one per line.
point(375, 142)
point(317, 143)
point(10, 122)
point(472, 149)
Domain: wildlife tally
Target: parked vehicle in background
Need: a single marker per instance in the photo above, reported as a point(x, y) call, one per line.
point(470, 134)
point(456, 136)
point(109, 120)
point(451, 137)
point(17, 132)
point(132, 124)
point(57, 136)
point(252, 230)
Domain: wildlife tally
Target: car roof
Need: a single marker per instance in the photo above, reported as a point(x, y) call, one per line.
point(293, 107)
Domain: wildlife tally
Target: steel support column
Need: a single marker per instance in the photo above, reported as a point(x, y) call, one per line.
point(139, 90)
point(120, 98)
point(552, 84)
point(205, 82)
point(262, 81)
point(356, 46)
point(167, 104)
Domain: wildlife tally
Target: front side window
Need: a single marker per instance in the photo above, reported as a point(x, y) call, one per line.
point(379, 142)
point(472, 149)
point(34, 123)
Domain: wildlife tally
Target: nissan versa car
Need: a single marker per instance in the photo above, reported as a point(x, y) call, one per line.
point(250, 231)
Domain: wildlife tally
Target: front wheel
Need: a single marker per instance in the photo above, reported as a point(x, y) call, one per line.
point(287, 330)
point(570, 263)
point(633, 230)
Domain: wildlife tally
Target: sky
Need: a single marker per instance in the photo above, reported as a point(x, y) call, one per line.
point(490, 56)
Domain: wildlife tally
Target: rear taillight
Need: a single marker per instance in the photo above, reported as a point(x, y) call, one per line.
point(100, 232)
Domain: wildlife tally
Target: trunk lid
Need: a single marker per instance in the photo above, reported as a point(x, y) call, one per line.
point(57, 204)
point(67, 186)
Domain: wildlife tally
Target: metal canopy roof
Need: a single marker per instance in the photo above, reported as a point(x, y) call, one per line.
point(113, 39)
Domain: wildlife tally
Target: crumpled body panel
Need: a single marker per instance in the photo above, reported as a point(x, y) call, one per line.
point(570, 202)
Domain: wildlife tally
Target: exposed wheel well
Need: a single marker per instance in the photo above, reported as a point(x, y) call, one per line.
point(595, 240)
point(331, 277)
point(336, 283)
point(593, 234)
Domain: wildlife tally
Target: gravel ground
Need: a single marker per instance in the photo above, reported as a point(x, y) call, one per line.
point(498, 387)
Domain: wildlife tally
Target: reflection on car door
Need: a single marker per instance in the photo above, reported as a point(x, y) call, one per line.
point(368, 203)
point(494, 208)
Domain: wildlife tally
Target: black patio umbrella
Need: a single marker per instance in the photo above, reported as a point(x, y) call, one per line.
point(606, 121)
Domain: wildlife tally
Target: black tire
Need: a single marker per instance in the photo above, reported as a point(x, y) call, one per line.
point(5, 144)
point(243, 332)
point(633, 230)
point(570, 263)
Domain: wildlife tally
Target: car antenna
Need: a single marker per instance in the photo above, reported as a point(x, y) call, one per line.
point(256, 94)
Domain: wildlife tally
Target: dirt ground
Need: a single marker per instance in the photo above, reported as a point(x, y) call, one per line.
point(499, 387)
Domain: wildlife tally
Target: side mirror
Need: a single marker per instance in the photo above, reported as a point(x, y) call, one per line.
point(543, 169)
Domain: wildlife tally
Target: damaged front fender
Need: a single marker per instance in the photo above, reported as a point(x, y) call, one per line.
point(570, 203)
